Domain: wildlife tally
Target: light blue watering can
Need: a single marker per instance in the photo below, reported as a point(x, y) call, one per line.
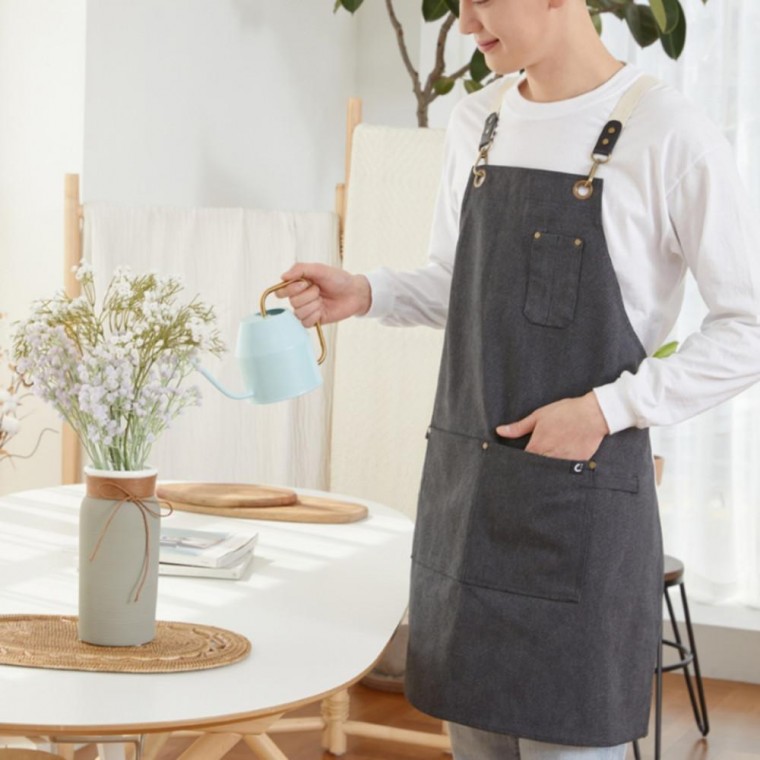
point(276, 355)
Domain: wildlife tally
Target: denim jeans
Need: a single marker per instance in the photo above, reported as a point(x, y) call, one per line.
point(474, 744)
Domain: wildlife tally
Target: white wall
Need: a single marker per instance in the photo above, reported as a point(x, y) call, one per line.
point(41, 121)
point(217, 102)
point(383, 82)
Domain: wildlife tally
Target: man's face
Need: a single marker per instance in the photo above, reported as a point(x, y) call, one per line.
point(512, 34)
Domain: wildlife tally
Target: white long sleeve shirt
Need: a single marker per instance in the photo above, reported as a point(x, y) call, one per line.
point(672, 200)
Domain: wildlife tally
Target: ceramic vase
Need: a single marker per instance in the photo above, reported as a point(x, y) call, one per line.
point(119, 535)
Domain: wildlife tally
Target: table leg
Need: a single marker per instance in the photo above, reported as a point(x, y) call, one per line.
point(112, 751)
point(264, 747)
point(210, 747)
point(153, 744)
point(335, 713)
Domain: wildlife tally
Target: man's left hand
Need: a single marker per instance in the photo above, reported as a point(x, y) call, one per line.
point(572, 428)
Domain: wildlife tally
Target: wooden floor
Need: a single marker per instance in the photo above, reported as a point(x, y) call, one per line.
point(734, 712)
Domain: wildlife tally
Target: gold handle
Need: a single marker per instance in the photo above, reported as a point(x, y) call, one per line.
point(263, 310)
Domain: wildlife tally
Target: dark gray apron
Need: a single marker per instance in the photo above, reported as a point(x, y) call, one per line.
point(536, 582)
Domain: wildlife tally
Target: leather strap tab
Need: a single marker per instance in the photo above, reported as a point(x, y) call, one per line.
point(488, 130)
point(608, 138)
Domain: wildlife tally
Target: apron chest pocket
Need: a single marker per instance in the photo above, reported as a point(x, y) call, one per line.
point(553, 279)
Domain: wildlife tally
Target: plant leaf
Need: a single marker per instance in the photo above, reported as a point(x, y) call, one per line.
point(350, 5)
point(664, 351)
point(674, 42)
point(432, 10)
point(666, 14)
point(443, 85)
point(454, 6)
point(472, 86)
point(640, 20)
point(478, 67)
point(597, 19)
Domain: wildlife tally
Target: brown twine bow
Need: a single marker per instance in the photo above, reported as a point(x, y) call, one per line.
point(145, 511)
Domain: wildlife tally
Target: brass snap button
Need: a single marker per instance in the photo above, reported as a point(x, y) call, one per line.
point(536, 234)
point(592, 464)
point(484, 445)
point(578, 242)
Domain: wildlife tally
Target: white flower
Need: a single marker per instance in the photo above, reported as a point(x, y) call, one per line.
point(82, 271)
point(9, 425)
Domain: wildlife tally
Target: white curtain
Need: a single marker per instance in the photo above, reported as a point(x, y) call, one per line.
point(710, 495)
point(228, 257)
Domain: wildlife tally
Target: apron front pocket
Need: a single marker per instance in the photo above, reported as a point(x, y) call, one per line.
point(553, 279)
point(449, 484)
point(530, 528)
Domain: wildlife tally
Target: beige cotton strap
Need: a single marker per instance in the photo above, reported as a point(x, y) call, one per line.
point(583, 189)
point(630, 99)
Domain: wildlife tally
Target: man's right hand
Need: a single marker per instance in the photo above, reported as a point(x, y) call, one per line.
point(325, 294)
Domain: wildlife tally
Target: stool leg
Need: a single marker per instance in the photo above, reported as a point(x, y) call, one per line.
point(699, 715)
point(688, 651)
point(636, 750)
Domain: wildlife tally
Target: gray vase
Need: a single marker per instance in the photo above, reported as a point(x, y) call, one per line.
point(119, 534)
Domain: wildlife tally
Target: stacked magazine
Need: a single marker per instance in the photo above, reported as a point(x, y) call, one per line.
point(212, 554)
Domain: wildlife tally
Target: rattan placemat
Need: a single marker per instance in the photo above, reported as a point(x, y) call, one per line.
point(50, 641)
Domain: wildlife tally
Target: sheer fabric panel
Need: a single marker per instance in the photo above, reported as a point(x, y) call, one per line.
point(710, 496)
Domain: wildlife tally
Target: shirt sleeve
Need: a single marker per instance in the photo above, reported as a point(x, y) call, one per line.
point(719, 240)
point(421, 296)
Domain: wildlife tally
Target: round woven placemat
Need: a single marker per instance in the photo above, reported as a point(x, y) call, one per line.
point(50, 641)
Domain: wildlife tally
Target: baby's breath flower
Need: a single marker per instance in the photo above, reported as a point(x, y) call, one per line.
point(115, 373)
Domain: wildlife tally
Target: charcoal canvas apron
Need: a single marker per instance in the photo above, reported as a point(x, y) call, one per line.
point(536, 582)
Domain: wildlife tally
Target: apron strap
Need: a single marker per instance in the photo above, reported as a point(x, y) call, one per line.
point(489, 132)
point(584, 189)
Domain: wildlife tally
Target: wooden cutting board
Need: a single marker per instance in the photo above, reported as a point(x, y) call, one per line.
point(228, 495)
point(309, 509)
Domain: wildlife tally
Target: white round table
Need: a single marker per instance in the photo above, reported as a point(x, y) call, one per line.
point(319, 604)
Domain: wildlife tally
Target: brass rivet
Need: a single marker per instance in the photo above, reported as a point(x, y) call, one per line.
point(606, 141)
point(611, 130)
point(484, 445)
point(592, 465)
point(578, 242)
point(537, 235)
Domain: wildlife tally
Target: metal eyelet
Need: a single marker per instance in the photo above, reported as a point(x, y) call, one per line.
point(583, 189)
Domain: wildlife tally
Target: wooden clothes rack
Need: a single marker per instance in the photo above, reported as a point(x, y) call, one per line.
point(73, 220)
point(73, 217)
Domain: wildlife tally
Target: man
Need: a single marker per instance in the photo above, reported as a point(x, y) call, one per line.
point(570, 207)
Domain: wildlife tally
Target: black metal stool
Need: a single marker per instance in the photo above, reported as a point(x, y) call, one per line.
point(673, 576)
